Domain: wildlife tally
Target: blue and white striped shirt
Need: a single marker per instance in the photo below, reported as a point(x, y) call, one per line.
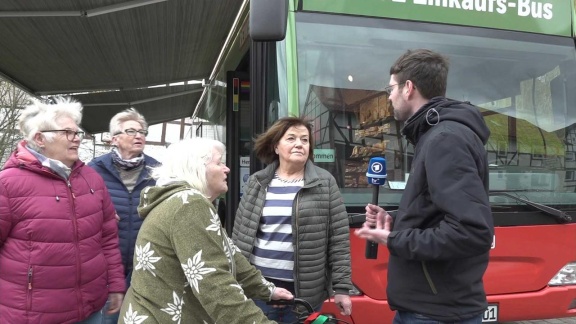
point(273, 252)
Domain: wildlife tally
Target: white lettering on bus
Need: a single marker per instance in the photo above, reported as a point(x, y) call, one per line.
point(536, 9)
point(526, 8)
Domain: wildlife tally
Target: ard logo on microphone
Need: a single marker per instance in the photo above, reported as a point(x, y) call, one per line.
point(377, 168)
point(376, 173)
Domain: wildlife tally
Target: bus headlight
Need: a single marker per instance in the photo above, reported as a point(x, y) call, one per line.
point(566, 276)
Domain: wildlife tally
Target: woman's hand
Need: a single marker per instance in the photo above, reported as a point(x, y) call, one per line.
point(281, 293)
point(115, 302)
point(344, 304)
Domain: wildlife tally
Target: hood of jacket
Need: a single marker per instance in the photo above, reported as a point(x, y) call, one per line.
point(440, 109)
point(155, 195)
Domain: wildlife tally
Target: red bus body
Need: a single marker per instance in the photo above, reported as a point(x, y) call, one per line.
point(522, 262)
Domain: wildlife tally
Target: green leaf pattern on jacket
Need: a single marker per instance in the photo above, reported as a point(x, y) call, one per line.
point(194, 270)
point(145, 259)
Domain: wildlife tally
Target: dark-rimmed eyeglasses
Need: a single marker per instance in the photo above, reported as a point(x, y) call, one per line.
point(70, 134)
point(391, 87)
point(133, 132)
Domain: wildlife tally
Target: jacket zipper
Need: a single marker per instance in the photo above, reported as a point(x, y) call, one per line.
point(78, 265)
point(297, 242)
point(129, 236)
point(232, 260)
point(29, 291)
point(131, 206)
point(429, 278)
point(296, 254)
point(259, 216)
point(328, 276)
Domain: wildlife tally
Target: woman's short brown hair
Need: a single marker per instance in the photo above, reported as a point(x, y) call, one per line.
point(266, 142)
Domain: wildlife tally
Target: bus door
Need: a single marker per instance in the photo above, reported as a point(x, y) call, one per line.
point(238, 140)
point(253, 103)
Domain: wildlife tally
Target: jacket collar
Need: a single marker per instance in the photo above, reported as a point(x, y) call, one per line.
point(23, 157)
point(440, 109)
point(267, 174)
point(419, 123)
point(106, 161)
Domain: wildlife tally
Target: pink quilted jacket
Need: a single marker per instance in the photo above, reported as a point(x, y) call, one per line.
point(59, 256)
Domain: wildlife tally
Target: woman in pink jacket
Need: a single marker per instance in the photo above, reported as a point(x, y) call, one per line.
point(59, 257)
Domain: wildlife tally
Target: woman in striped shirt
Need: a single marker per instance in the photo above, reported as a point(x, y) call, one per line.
point(291, 222)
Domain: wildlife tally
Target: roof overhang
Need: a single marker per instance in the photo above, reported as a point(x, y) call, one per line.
point(156, 104)
point(116, 47)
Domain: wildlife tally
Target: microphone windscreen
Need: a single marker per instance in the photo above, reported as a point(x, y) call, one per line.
point(376, 173)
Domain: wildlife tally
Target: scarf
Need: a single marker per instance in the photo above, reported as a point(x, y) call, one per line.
point(126, 165)
point(57, 166)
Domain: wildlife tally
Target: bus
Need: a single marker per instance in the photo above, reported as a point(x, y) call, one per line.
point(328, 60)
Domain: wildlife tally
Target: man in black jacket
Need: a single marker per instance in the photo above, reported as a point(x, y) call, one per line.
point(440, 237)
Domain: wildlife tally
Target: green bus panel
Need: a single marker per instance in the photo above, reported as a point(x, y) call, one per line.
point(552, 17)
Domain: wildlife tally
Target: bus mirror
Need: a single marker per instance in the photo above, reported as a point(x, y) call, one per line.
point(268, 20)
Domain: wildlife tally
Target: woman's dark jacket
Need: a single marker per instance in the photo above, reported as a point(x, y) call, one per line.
point(320, 231)
point(443, 230)
point(125, 202)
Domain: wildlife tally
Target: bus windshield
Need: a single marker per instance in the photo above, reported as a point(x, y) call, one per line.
point(519, 81)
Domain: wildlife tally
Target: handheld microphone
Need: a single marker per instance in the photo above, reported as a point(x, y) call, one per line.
point(376, 175)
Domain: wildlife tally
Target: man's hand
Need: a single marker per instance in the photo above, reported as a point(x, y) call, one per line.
point(344, 304)
point(382, 229)
point(115, 302)
point(372, 211)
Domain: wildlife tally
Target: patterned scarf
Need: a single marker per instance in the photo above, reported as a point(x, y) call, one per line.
point(57, 166)
point(126, 164)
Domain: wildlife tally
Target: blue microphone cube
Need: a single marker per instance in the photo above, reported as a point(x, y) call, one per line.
point(376, 173)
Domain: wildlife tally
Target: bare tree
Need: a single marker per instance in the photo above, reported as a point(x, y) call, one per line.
point(12, 101)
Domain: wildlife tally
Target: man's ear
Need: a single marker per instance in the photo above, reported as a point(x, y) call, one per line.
point(39, 140)
point(409, 88)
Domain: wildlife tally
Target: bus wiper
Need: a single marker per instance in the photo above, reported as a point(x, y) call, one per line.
point(559, 215)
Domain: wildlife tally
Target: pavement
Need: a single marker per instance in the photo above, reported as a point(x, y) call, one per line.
point(566, 320)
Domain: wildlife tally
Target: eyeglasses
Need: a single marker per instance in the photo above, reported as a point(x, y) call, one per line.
point(132, 132)
point(70, 134)
point(391, 87)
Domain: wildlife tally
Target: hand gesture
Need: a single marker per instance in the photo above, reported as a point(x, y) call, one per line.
point(383, 224)
point(372, 212)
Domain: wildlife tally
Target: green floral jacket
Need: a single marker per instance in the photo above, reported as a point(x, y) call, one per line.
point(186, 269)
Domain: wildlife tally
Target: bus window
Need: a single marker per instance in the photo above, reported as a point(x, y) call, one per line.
point(343, 67)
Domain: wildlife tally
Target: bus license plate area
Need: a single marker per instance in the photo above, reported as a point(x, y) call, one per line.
point(490, 314)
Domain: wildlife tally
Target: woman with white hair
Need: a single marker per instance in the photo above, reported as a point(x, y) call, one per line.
point(186, 269)
point(125, 170)
point(59, 256)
